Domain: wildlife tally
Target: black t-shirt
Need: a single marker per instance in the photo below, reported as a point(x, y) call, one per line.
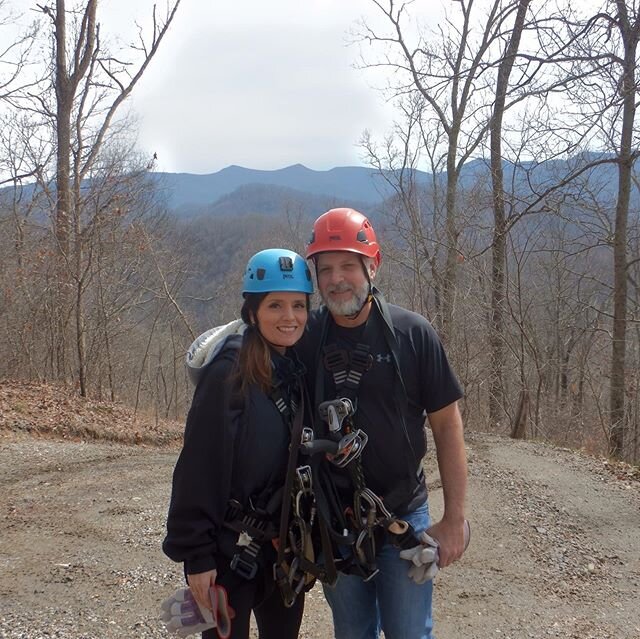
point(393, 420)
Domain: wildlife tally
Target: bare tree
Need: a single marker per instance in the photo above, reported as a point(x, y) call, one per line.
point(90, 84)
point(496, 389)
point(452, 72)
point(608, 95)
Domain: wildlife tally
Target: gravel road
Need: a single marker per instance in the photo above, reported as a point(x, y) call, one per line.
point(555, 548)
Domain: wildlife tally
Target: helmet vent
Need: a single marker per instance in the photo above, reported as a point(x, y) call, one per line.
point(362, 237)
point(260, 273)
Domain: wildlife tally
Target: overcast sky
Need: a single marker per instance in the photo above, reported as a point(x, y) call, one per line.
point(259, 83)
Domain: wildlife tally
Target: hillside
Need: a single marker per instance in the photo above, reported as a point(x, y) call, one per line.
point(555, 548)
point(47, 410)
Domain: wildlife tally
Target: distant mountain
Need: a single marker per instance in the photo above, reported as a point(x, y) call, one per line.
point(186, 192)
point(350, 183)
point(267, 199)
point(236, 190)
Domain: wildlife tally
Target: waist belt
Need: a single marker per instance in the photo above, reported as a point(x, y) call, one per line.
point(254, 528)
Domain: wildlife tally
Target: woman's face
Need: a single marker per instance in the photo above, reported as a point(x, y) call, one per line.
point(281, 318)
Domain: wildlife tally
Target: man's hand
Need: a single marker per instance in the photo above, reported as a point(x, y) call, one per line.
point(452, 539)
point(426, 558)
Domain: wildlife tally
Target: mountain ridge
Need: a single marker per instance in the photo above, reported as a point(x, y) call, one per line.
point(360, 184)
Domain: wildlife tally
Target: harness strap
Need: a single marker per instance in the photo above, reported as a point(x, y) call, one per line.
point(279, 399)
point(260, 531)
point(254, 528)
point(394, 347)
point(279, 573)
point(347, 367)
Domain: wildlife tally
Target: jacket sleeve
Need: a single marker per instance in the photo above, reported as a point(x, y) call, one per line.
point(202, 476)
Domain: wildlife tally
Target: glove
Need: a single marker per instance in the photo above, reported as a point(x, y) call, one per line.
point(423, 558)
point(421, 574)
point(184, 616)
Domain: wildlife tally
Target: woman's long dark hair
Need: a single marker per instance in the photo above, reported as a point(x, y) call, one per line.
point(254, 365)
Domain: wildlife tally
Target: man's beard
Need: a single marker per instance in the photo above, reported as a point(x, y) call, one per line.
point(346, 307)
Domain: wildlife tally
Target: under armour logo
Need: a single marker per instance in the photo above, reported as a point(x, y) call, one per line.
point(383, 358)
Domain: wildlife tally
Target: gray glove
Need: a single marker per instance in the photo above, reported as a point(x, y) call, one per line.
point(184, 616)
point(423, 558)
point(422, 574)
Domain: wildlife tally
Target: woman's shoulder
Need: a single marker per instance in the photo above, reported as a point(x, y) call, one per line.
point(221, 369)
point(219, 343)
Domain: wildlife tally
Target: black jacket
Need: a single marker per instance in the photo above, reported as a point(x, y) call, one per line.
point(235, 447)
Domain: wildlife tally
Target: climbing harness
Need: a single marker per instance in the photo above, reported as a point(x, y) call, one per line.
point(254, 528)
point(356, 528)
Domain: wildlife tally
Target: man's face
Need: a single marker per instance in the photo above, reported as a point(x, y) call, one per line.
point(342, 281)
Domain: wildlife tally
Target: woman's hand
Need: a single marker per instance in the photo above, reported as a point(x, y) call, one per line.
point(200, 584)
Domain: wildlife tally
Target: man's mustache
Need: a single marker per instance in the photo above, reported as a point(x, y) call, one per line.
point(341, 288)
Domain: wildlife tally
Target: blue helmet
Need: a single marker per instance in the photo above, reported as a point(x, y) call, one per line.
point(277, 270)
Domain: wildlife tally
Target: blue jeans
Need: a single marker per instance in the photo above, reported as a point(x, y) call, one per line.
point(390, 601)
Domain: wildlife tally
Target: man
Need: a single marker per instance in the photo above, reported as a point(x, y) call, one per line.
point(387, 366)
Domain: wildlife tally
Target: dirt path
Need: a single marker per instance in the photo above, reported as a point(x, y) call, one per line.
point(555, 548)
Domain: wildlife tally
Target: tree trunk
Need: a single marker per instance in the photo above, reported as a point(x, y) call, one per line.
point(519, 426)
point(449, 280)
point(625, 168)
point(64, 106)
point(498, 247)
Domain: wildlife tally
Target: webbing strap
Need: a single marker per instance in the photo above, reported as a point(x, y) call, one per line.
point(279, 399)
point(347, 367)
point(296, 437)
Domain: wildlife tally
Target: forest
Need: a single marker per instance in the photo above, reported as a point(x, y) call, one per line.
point(522, 249)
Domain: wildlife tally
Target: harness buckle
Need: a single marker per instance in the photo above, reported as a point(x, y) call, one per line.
point(336, 359)
point(305, 479)
point(307, 435)
point(246, 568)
point(361, 359)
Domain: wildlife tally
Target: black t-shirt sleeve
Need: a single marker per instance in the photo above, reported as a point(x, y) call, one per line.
point(435, 385)
point(439, 385)
point(202, 476)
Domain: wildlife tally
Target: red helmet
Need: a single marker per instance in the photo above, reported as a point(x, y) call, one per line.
point(344, 230)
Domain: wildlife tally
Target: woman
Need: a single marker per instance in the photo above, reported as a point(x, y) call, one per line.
point(227, 484)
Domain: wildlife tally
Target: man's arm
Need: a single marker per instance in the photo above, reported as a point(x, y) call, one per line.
point(446, 425)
